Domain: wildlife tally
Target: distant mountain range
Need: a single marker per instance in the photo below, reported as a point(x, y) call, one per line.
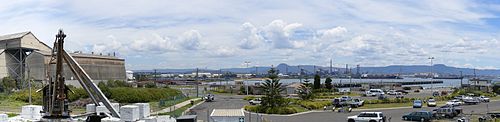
point(393, 69)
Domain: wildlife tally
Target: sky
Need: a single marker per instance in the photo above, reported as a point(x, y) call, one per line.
point(161, 34)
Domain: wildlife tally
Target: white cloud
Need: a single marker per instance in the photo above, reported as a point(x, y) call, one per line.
point(191, 40)
point(223, 52)
point(363, 31)
point(250, 35)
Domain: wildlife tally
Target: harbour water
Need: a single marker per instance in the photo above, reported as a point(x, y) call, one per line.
point(446, 82)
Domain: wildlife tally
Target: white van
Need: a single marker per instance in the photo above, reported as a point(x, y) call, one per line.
point(374, 92)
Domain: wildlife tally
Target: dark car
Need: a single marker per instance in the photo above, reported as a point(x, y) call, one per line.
point(447, 112)
point(418, 116)
point(402, 91)
point(338, 102)
point(209, 98)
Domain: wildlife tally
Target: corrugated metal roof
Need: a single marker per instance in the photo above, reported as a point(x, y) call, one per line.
point(13, 36)
point(227, 112)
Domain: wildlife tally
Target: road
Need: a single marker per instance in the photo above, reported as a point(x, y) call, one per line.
point(221, 102)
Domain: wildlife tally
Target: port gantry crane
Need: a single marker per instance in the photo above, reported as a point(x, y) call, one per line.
point(55, 93)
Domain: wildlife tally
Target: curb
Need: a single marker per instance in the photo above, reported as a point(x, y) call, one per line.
point(157, 112)
point(193, 107)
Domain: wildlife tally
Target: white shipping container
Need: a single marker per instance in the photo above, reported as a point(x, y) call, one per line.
point(144, 110)
point(129, 113)
point(102, 108)
point(90, 108)
point(4, 118)
point(31, 112)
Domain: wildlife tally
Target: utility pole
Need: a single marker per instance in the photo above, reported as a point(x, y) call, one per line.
point(461, 79)
point(196, 80)
point(432, 75)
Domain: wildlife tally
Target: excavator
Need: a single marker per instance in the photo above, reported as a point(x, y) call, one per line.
point(55, 93)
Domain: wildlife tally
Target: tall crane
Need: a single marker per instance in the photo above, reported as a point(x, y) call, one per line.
point(55, 94)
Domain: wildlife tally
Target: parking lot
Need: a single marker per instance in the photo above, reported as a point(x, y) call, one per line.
point(236, 102)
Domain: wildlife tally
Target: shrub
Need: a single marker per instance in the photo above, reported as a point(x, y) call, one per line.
point(133, 95)
point(36, 97)
point(275, 110)
point(314, 104)
point(247, 98)
point(77, 93)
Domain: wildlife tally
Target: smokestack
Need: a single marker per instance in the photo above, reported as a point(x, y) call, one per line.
point(346, 68)
point(331, 63)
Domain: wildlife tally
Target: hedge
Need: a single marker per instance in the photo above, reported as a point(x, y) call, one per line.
point(276, 110)
point(314, 104)
point(134, 95)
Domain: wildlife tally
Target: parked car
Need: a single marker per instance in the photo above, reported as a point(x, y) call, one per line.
point(357, 103)
point(447, 112)
point(391, 92)
point(399, 95)
point(417, 104)
point(431, 103)
point(471, 100)
point(337, 102)
point(209, 98)
point(382, 96)
point(423, 116)
point(255, 101)
point(416, 90)
point(435, 93)
point(374, 92)
point(484, 99)
point(367, 117)
point(454, 102)
point(402, 91)
point(459, 97)
point(345, 98)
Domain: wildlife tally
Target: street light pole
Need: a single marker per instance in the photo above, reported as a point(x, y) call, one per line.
point(432, 75)
point(246, 77)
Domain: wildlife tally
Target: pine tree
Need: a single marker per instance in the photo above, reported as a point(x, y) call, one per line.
point(317, 82)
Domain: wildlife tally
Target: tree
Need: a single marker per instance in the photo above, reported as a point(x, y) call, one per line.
point(305, 92)
point(328, 83)
point(8, 84)
point(272, 89)
point(242, 90)
point(317, 82)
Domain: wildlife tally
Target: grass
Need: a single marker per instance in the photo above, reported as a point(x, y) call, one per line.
point(9, 105)
point(299, 108)
point(11, 114)
point(155, 106)
point(178, 112)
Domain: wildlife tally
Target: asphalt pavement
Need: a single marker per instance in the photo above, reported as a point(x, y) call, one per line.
point(394, 114)
point(236, 102)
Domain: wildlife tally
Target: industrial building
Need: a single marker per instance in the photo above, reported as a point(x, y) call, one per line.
point(23, 56)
